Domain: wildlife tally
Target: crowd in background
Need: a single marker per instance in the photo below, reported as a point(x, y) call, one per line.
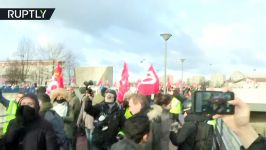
point(38, 121)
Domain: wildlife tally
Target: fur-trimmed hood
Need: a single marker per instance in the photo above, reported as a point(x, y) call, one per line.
point(59, 92)
point(154, 112)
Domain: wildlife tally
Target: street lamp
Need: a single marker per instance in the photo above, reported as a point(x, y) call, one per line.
point(182, 61)
point(165, 36)
point(254, 77)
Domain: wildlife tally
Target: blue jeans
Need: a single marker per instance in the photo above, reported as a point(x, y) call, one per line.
point(89, 138)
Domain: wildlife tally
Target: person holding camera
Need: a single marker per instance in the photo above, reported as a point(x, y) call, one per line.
point(240, 124)
point(85, 121)
point(109, 119)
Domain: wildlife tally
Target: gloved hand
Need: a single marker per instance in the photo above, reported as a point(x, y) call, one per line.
point(120, 136)
point(174, 127)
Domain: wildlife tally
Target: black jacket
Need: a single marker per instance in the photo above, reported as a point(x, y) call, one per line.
point(185, 136)
point(154, 113)
point(55, 120)
point(127, 144)
point(114, 120)
point(37, 135)
point(258, 144)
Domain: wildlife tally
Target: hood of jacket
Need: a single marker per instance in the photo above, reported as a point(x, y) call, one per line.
point(127, 144)
point(45, 107)
point(155, 112)
point(59, 92)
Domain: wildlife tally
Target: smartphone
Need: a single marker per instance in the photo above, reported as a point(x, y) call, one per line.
point(213, 102)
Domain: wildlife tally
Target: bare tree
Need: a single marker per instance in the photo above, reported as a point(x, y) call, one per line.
point(18, 68)
point(70, 64)
point(24, 55)
point(54, 52)
point(58, 53)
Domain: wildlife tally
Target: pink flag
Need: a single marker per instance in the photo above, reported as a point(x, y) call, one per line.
point(124, 84)
point(115, 84)
point(57, 79)
point(150, 84)
point(178, 83)
point(100, 83)
point(138, 83)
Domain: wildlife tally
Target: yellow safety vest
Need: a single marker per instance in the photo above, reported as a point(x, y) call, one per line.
point(212, 122)
point(11, 114)
point(127, 114)
point(175, 106)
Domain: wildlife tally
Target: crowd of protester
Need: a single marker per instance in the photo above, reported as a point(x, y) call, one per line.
point(14, 88)
point(37, 121)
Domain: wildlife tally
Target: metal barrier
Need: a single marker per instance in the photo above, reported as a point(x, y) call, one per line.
point(225, 137)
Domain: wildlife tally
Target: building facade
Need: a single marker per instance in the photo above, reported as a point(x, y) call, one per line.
point(38, 71)
point(96, 74)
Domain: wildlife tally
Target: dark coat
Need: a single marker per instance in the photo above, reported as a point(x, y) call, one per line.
point(55, 120)
point(185, 136)
point(154, 113)
point(127, 144)
point(74, 104)
point(165, 132)
point(258, 144)
point(114, 120)
point(69, 124)
point(37, 135)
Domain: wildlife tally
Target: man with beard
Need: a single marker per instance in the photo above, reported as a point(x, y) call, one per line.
point(28, 131)
point(109, 119)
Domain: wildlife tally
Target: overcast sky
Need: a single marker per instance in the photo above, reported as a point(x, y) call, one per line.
point(228, 34)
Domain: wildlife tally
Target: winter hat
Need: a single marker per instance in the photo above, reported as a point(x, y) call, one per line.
point(112, 92)
point(41, 90)
point(59, 92)
point(34, 98)
point(103, 90)
point(44, 98)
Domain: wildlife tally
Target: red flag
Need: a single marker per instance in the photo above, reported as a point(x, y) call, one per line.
point(150, 84)
point(59, 75)
point(124, 84)
point(57, 79)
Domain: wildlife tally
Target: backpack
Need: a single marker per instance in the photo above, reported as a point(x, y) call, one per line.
point(204, 136)
point(58, 125)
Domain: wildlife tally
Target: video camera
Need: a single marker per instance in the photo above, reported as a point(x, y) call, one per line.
point(88, 88)
point(212, 102)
